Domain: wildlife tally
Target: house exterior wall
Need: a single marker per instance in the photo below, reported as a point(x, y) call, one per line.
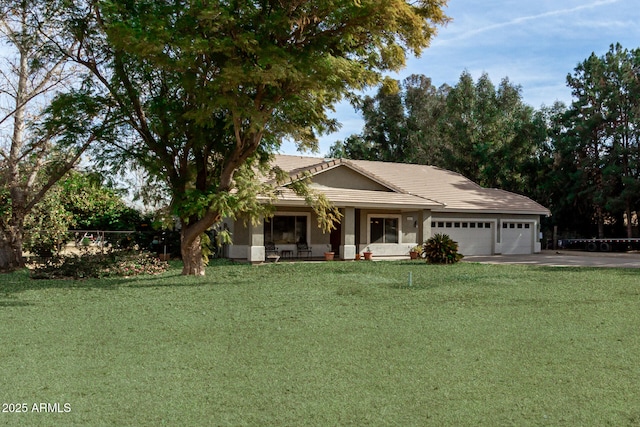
point(414, 227)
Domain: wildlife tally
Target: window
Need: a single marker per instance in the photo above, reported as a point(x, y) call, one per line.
point(516, 225)
point(383, 230)
point(286, 229)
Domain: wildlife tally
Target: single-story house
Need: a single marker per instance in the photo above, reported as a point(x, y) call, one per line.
point(388, 208)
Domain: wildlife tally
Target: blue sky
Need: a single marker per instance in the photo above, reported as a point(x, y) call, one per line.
point(535, 43)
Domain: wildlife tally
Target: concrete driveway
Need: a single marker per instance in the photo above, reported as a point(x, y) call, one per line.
point(564, 258)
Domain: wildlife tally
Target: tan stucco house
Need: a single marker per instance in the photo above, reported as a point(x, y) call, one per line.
point(387, 209)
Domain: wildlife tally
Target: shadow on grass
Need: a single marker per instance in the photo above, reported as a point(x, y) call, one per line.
point(625, 271)
point(12, 303)
point(21, 281)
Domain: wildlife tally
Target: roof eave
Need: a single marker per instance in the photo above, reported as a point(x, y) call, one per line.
point(492, 211)
point(359, 205)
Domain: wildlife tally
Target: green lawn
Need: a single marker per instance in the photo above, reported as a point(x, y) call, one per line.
point(326, 344)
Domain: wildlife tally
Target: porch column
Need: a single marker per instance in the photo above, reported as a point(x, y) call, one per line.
point(348, 238)
point(255, 250)
point(426, 226)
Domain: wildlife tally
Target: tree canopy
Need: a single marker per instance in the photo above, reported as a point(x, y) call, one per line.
point(597, 144)
point(486, 133)
point(208, 90)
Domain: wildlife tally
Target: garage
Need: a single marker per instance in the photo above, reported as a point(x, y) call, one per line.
point(517, 238)
point(473, 237)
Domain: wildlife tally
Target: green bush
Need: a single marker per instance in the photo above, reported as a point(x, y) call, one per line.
point(116, 263)
point(441, 249)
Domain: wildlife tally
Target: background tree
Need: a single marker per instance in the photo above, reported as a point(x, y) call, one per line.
point(597, 151)
point(622, 69)
point(424, 106)
point(486, 133)
point(560, 179)
point(385, 125)
point(354, 147)
point(95, 204)
point(37, 147)
point(489, 134)
point(400, 124)
point(79, 201)
point(210, 89)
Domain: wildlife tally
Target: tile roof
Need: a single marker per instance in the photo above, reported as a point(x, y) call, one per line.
point(412, 186)
point(362, 198)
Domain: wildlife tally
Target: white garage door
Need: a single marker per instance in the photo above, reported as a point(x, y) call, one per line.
point(473, 237)
point(517, 238)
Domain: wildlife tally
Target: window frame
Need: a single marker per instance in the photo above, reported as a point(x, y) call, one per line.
point(287, 214)
point(397, 217)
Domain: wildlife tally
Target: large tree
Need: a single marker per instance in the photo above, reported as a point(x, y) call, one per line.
point(424, 104)
point(42, 135)
point(600, 145)
point(209, 89)
point(484, 132)
point(385, 124)
point(400, 124)
point(622, 75)
point(488, 133)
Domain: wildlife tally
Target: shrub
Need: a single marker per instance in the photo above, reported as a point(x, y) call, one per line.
point(441, 249)
point(117, 263)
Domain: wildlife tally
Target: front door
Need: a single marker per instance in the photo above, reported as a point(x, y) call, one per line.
point(335, 238)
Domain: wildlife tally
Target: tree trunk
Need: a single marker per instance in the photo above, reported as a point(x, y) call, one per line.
point(629, 223)
point(191, 243)
point(11, 250)
point(600, 228)
point(193, 263)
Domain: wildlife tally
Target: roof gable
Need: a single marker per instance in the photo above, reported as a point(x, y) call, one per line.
point(329, 172)
point(345, 177)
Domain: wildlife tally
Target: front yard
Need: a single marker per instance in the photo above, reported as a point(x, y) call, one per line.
point(343, 343)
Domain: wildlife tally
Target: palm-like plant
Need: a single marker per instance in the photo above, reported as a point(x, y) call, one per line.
point(441, 249)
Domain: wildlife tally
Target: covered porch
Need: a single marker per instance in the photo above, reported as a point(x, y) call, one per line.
point(292, 234)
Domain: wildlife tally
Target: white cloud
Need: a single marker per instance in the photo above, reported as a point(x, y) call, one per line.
point(470, 33)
